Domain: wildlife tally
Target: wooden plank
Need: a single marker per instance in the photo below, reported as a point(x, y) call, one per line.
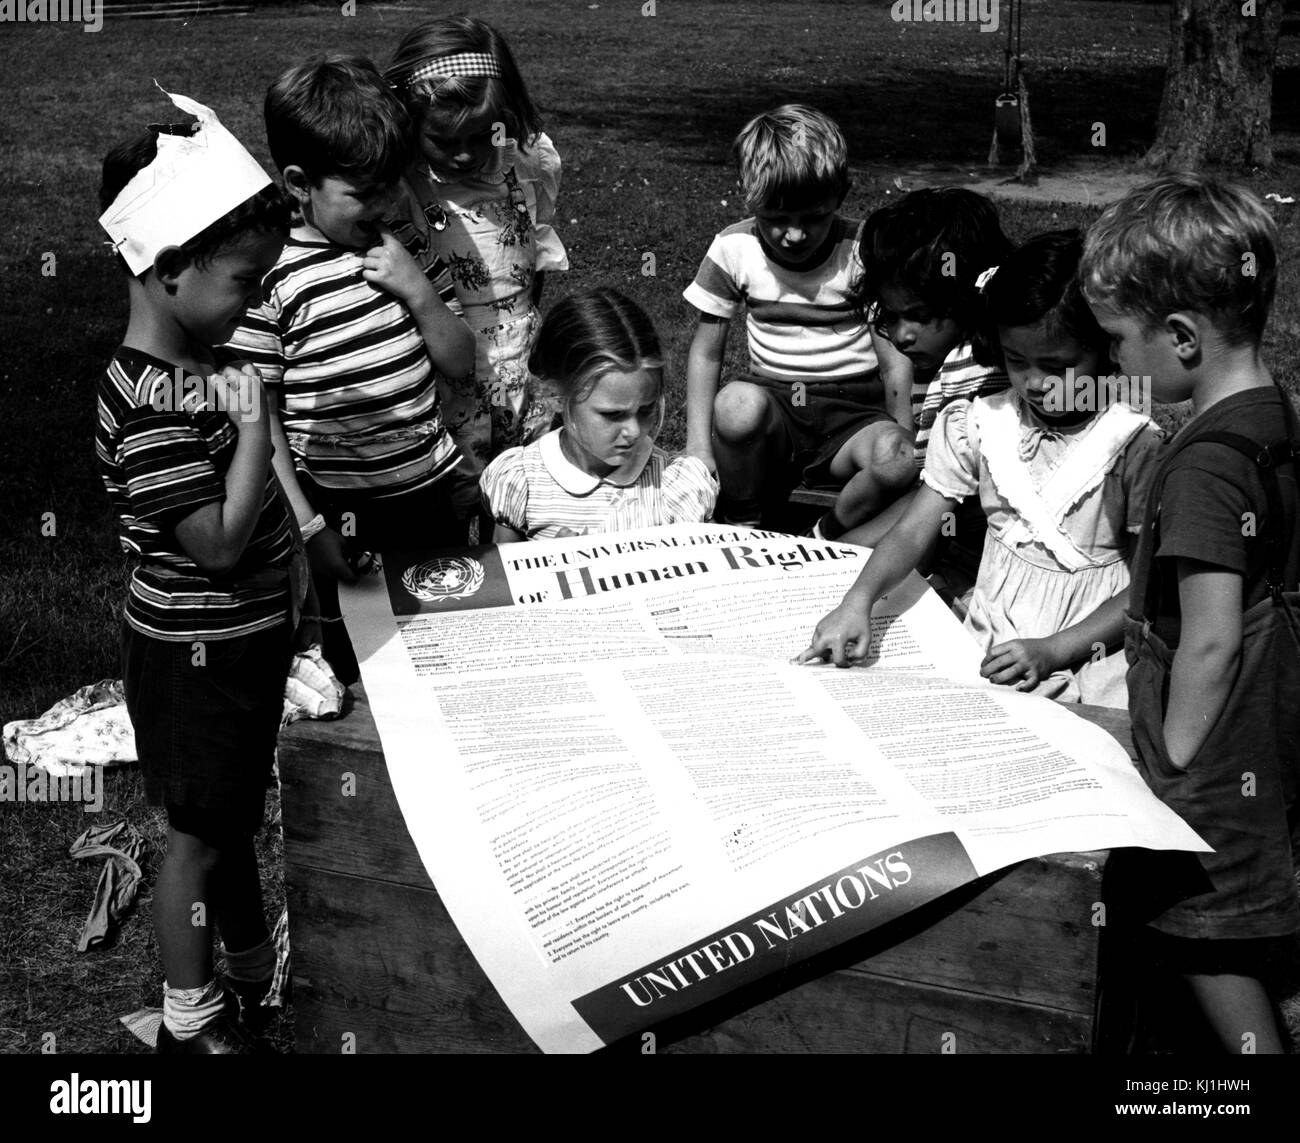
point(817, 497)
point(1023, 934)
point(837, 1013)
point(384, 965)
point(362, 832)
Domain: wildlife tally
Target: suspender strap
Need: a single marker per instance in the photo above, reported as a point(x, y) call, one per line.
point(1281, 535)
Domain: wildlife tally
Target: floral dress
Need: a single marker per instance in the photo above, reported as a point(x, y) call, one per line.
point(493, 230)
point(1062, 505)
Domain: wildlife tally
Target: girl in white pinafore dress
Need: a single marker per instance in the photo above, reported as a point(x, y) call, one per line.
point(1061, 469)
point(482, 197)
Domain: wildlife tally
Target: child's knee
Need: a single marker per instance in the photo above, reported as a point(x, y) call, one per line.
point(891, 459)
point(740, 411)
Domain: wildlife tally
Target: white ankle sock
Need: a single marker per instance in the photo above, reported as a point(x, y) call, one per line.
point(187, 1011)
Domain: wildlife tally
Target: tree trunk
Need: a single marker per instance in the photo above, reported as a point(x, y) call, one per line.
point(1219, 87)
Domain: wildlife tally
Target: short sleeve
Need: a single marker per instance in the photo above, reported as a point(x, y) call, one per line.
point(1141, 459)
point(1202, 508)
point(716, 290)
point(258, 340)
point(689, 491)
point(539, 167)
point(504, 485)
point(411, 228)
point(952, 463)
point(167, 467)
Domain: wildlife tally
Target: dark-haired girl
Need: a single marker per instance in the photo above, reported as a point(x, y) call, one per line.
point(1060, 466)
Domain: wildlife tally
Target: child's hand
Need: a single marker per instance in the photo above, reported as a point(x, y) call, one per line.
point(238, 393)
point(325, 554)
point(390, 267)
point(1026, 662)
point(843, 636)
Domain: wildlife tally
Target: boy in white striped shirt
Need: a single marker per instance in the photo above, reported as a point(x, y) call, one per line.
point(353, 338)
point(815, 406)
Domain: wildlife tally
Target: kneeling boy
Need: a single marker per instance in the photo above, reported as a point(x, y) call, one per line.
point(814, 407)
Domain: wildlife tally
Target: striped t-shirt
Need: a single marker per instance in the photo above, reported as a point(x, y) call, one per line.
point(536, 490)
point(350, 371)
point(800, 323)
point(960, 375)
point(160, 460)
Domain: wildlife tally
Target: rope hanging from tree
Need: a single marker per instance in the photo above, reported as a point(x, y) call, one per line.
point(1012, 130)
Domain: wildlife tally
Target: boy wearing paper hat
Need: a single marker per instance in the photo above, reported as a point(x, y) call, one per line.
point(184, 447)
point(354, 339)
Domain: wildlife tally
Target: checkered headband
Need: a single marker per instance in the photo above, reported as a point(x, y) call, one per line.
point(460, 64)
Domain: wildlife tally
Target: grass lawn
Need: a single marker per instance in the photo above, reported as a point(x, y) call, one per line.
point(642, 109)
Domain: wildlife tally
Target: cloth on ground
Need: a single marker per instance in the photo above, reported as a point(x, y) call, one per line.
point(91, 727)
point(88, 728)
point(119, 881)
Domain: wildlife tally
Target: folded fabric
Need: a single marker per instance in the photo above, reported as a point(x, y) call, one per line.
point(143, 1024)
point(279, 990)
point(312, 690)
point(88, 728)
point(119, 881)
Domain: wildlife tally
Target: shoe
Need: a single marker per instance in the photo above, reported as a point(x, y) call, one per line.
point(225, 1036)
point(244, 1003)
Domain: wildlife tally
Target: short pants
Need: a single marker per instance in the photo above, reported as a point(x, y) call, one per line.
point(819, 420)
point(206, 715)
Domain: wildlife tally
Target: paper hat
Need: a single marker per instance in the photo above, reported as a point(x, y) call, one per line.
point(193, 181)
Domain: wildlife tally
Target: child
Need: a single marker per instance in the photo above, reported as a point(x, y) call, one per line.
point(482, 199)
point(184, 448)
point(601, 471)
point(1181, 274)
point(1060, 480)
point(921, 257)
point(351, 333)
point(814, 407)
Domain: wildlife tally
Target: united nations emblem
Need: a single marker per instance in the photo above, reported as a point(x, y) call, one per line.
point(441, 580)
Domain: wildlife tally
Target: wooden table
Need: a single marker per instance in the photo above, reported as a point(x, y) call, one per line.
point(1008, 963)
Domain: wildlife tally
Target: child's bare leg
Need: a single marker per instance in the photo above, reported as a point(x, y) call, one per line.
point(237, 898)
point(877, 466)
point(747, 433)
point(870, 534)
point(1238, 1007)
point(180, 910)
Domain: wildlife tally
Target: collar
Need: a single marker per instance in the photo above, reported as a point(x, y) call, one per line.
point(575, 481)
point(818, 259)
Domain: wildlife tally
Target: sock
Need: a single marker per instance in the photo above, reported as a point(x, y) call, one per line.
point(829, 527)
point(187, 1011)
point(254, 965)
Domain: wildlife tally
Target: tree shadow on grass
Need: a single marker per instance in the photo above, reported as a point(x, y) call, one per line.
point(935, 117)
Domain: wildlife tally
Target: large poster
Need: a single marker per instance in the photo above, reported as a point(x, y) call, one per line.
point(631, 802)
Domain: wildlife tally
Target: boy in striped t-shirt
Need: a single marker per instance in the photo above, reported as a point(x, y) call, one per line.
point(353, 338)
point(184, 448)
point(815, 406)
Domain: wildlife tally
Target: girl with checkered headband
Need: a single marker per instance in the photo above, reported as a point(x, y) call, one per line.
point(481, 194)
